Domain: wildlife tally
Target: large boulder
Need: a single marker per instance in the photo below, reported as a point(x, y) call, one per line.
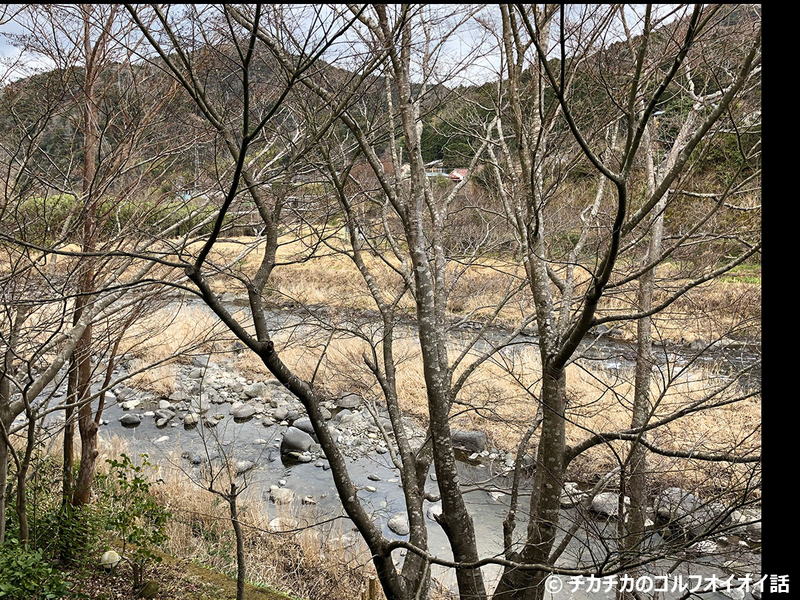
point(130, 420)
point(472, 441)
point(399, 523)
point(256, 390)
point(279, 524)
point(295, 440)
point(607, 504)
point(348, 401)
point(199, 404)
point(304, 424)
point(281, 495)
point(243, 411)
point(200, 361)
point(748, 522)
point(434, 512)
point(242, 466)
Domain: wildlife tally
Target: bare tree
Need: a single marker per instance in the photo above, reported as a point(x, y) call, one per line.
point(62, 190)
point(576, 98)
point(646, 71)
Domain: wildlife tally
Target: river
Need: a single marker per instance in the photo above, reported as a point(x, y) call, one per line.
point(176, 446)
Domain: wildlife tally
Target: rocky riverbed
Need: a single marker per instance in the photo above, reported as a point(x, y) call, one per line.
point(263, 428)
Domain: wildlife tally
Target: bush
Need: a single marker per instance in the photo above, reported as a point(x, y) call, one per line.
point(27, 574)
point(78, 532)
point(135, 516)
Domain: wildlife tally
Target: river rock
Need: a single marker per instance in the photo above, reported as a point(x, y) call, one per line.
point(190, 419)
point(195, 374)
point(199, 404)
point(200, 361)
point(131, 404)
point(348, 401)
point(256, 390)
point(571, 495)
point(677, 507)
point(354, 421)
point(281, 495)
point(279, 524)
point(242, 466)
point(304, 424)
point(243, 411)
point(196, 459)
point(472, 441)
point(399, 523)
point(295, 440)
point(748, 521)
point(164, 404)
point(178, 396)
point(607, 504)
point(704, 547)
point(434, 511)
point(130, 420)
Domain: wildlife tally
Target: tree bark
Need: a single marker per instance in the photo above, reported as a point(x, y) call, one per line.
point(86, 424)
point(237, 529)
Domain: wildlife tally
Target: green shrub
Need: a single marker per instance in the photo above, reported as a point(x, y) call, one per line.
point(79, 530)
point(134, 515)
point(27, 574)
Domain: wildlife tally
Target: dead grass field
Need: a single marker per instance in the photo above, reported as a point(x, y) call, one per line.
point(500, 397)
point(711, 311)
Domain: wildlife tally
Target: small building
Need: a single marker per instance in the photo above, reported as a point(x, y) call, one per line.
point(459, 174)
point(435, 169)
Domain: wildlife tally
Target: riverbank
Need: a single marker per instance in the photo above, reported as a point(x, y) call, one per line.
point(499, 401)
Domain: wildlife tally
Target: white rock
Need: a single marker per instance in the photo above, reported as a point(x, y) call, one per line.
point(281, 495)
point(281, 524)
point(109, 560)
point(399, 524)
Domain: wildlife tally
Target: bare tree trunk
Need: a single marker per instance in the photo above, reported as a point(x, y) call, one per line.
point(237, 529)
point(22, 481)
point(636, 485)
point(86, 424)
point(3, 480)
point(68, 446)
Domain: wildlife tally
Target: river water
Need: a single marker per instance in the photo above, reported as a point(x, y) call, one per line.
point(174, 446)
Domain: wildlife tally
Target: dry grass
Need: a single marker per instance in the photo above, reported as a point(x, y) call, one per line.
point(166, 337)
point(710, 311)
point(500, 397)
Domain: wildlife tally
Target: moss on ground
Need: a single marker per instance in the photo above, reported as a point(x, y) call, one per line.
point(177, 579)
